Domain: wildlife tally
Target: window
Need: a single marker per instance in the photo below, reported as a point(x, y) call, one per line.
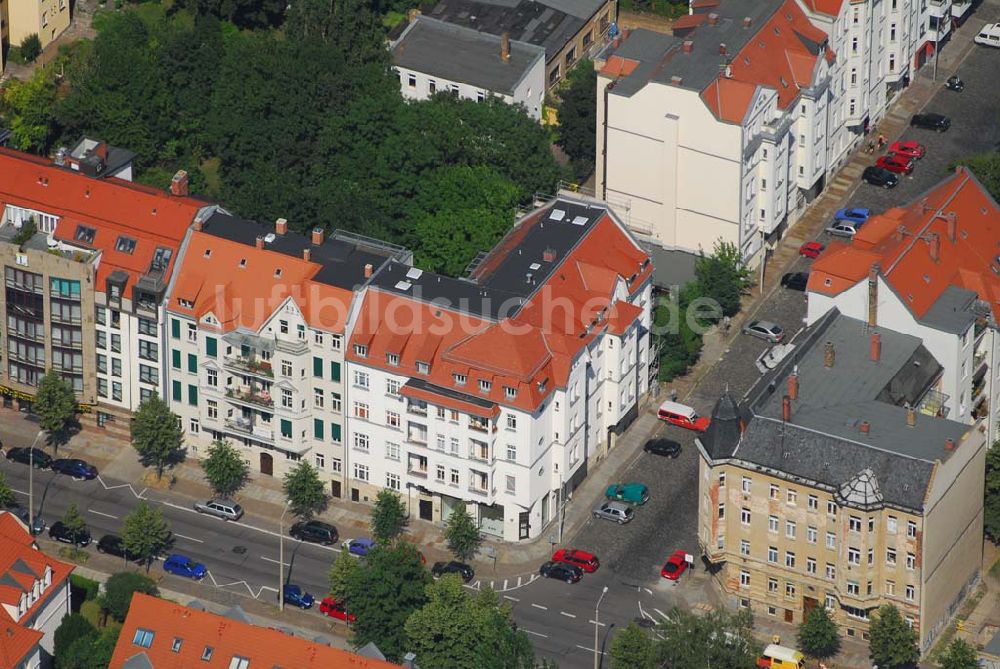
point(511, 483)
point(854, 76)
point(360, 471)
point(772, 554)
point(192, 394)
point(811, 534)
point(745, 516)
point(195, 426)
point(392, 419)
point(871, 523)
point(890, 556)
point(211, 347)
point(789, 559)
point(361, 379)
point(361, 410)
point(791, 497)
point(361, 350)
point(149, 350)
point(772, 585)
point(812, 503)
point(411, 80)
point(511, 422)
point(744, 579)
point(911, 561)
point(890, 588)
point(286, 398)
point(286, 368)
point(453, 442)
point(392, 481)
point(336, 465)
point(722, 510)
point(125, 245)
point(102, 340)
point(831, 508)
point(335, 436)
point(744, 548)
point(175, 359)
point(871, 556)
point(853, 556)
point(116, 345)
point(831, 571)
point(392, 451)
point(317, 429)
point(509, 393)
point(317, 367)
point(745, 485)
point(147, 327)
point(810, 565)
point(336, 403)
point(439, 473)
point(460, 379)
point(772, 524)
point(511, 452)
point(286, 428)
point(175, 646)
point(392, 387)
point(102, 364)
point(852, 588)
point(789, 589)
point(423, 368)
point(773, 491)
point(175, 328)
point(320, 461)
point(854, 524)
point(910, 593)
point(431, 86)
point(911, 529)
point(484, 386)
point(361, 441)
point(790, 529)
point(454, 476)
point(722, 479)
point(148, 374)
point(300, 330)
point(213, 409)
point(192, 363)
point(890, 524)
point(335, 371)
point(143, 637)
point(318, 398)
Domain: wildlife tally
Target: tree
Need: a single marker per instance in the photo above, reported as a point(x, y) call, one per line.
point(723, 277)
point(388, 517)
point(991, 501)
point(892, 642)
point(55, 405)
point(678, 345)
point(72, 627)
point(7, 498)
point(631, 648)
point(27, 109)
point(225, 469)
point(31, 47)
point(578, 118)
point(342, 571)
point(818, 635)
point(457, 630)
point(119, 589)
point(90, 652)
point(462, 534)
point(986, 167)
point(304, 490)
point(74, 522)
point(383, 593)
point(959, 655)
point(157, 435)
point(145, 532)
point(724, 640)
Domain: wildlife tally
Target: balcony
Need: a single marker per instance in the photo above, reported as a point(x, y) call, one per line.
point(416, 408)
point(417, 466)
point(416, 434)
point(297, 347)
point(249, 366)
point(938, 8)
point(261, 398)
point(479, 490)
point(245, 426)
point(960, 8)
point(479, 425)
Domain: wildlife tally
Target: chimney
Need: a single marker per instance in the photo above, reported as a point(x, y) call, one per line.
point(625, 33)
point(307, 254)
point(934, 246)
point(688, 46)
point(793, 384)
point(179, 184)
point(549, 255)
point(199, 225)
point(369, 269)
point(505, 47)
point(747, 22)
point(829, 355)
point(911, 416)
point(676, 79)
point(317, 236)
point(786, 409)
point(713, 19)
point(876, 351)
point(865, 427)
point(873, 295)
point(722, 49)
point(101, 150)
point(281, 226)
point(949, 444)
point(617, 41)
point(900, 231)
point(260, 242)
point(952, 225)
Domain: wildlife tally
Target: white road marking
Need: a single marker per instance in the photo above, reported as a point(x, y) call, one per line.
point(271, 560)
point(544, 636)
point(568, 615)
point(513, 599)
point(590, 650)
point(662, 614)
point(648, 591)
point(249, 527)
point(644, 614)
point(20, 492)
point(539, 606)
point(184, 536)
point(101, 513)
point(594, 622)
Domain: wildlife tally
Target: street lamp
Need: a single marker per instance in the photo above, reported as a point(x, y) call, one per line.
point(597, 627)
point(31, 483)
point(281, 557)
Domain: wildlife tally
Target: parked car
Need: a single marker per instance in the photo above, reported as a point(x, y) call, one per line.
point(315, 531)
point(441, 568)
point(360, 547)
point(37, 524)
point(682, 415)
point(114, 545)
point(855, 215)
point(910, 149)
point(876, 176)
point(795, 280)
point(220, 508)
point(336, 609)
point(842, 230)
point(562, 571)
point(955, 83)
point(674, 566)
point(895, 163)
point(587, 562)
point(989, 35)
point(60, 532)
point(296, 596)
point(182, 565)
point(37, 457)
point(616, 511)
point(633, 493)
point(78, 469)
point(931, 121)
point(766, 330)
point(667, 447)
point(811, 249)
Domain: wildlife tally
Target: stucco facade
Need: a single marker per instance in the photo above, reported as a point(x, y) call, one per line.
point(47, 19)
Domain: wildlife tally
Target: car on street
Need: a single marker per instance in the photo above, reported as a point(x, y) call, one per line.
point(795, 280)
point(182, 565)
point(39, 458)
point(60, 532)
point(114, 545)
point(910, 149)
point(587, 562)
point(811, 249)
point(22, 513)
point(75, 467)
point(989, 35)
point(842, 230)
point(616, 511)
point(682, 415)
point(955, 83)
point(674, 566)
point(315, 531)
point(336, 609)
point(876, 176)
point(562, 571)
point(895, 163)
point(855, 215)
point(665, 447)
point(633, 493)
point(441, 568)
point(766, 330)
point(296, 596)
point(361, 546)
point(220, 508)
point(931, 121)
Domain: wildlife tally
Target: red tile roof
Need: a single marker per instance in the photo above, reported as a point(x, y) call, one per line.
point(196, 630)
point(828, 7)
point(901, 239)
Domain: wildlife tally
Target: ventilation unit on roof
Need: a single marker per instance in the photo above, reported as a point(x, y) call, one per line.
point(414, 273)
point(534, 266)
point(403, 285)
point(269, 237)
point(580, 220)
point(557, 215)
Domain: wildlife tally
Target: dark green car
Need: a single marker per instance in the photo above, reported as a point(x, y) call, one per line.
point(633, 493)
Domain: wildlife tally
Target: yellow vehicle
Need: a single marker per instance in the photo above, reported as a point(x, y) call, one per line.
point(781, 657)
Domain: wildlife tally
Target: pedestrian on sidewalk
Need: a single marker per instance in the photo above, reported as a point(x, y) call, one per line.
point(881, 140)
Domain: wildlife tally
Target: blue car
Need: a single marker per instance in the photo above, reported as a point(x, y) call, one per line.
point(857, 215)
point(296, 596)
point(360, 547)
point(78, 469)
point(182, 565)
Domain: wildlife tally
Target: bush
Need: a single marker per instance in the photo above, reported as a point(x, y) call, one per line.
point(90, 587)
point(72, 627)
point(120, 588)
point(91, 610)
point(31, 48)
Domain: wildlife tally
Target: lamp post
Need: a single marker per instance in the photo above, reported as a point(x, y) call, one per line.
point(31, 483)
point(597, 627)
point(281, 558)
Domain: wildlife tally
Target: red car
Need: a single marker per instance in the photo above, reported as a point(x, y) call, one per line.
point(811, 249)
point(331, 607)
point(910, 149)
point(674, 567)
point(588, 562)
point(895, 163)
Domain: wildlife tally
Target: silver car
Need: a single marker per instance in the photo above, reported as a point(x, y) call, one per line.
point(766, 330)
point(842, 229)
point(220, 508)
point(616, 511)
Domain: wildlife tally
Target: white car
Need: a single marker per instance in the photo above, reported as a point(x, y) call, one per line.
point(842, 230)
point(989, 35)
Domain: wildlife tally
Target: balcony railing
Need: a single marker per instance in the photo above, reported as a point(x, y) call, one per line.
point(296, 347)
point(417, 471)
point(479, 425)
point(244, 426)
point(479, 490)
point(263, 399)
point(255, 367)
point(416, 409)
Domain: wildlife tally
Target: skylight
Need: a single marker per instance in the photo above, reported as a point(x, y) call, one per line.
point(580, 220)
point(557, 215)
point(403, 285)
point(414, 273)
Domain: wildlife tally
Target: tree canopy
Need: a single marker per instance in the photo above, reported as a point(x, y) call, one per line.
point(55, 405)
point(157, 435)
point(304, 490)
point(225, 469)
point(892, 642)
point(578, 118)
point(388, 517)
point(991, 502)
point(462, 534)
point(960, 654)
point(818, 634)
point(119, 589)
point(145, 532)
point(725, 640)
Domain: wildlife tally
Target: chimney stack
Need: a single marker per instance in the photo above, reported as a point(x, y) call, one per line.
point(676, 79)
point(934, 244)
point(281, 226)
point(876, 346)
point(793, 384)
point(688, 46)
point(369, 269)
point(722, 49)
point(865, 427)
point(786, 409)
point(317, 236)
point(199, 224)
point(179, 184)
point(829, 355)
point(873, 295)
point(911, 416)
point(260, 242)
point(747, 22)
point(952, 226)
point(713, 19)
point(549, 255)
point(949, 445)
point(307, 254)
point(505, 47)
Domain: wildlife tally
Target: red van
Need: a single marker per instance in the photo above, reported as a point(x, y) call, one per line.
point(682, 415)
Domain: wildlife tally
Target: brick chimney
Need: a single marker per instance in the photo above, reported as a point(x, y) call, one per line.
point(829, 355)
point(722, 49)
point(952, 226)
point(260, 242)
point(865, 427)
point(688, 46)
point(505, 47)
point(911, 416)
point(949, 444)
point(369, 269)
point(934, 246)
point(793, 384)
point(101, 150)
point(786, 409)
point(199, 224)
point(676, 79)
point(281, 226)
point(307, 254)
point(873, 295)
point(549, 255)
point(317, 236)
point(713, 19)
point(747, 22)
point(179, 184)
point(876, 347)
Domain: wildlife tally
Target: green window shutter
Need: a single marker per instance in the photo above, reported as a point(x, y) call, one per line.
point(286, 428)
point(318, 367)
point(192, 395)
point(192, 363)
point(335, 432)
point(177, 391)
point(317, 428)
point(335, 371)
point(211, 347)
point(175, 357)
point(175, 328)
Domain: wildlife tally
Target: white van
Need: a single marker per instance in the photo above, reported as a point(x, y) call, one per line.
point(989, 35)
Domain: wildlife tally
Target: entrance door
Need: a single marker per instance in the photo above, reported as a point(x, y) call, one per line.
point(788, 615)
point(426, 509)
point(808, 604)
point(335, 489)
point(523, 526)
point(266, 464)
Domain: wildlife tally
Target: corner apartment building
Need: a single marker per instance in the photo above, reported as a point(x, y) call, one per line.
point(828, 488)
point(20, 18)
point(255, 339)
point(500, 390)
point(921, 270)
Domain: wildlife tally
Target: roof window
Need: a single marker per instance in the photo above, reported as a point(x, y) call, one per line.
point(206, 654)
point(243, 262)
point(423, 368)
point(143, 638)
point(277, 272)
point(557, 215)
point(125, 245)
point(208, 253)
point(85, 234)
point(509, 392)
point(161, 258)
point(460, 379)
point(176, 645)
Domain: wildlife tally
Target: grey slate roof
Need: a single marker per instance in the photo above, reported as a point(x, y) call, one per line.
point(139, 661)
point(952, 312)
point(464, 55)
point(723, 433)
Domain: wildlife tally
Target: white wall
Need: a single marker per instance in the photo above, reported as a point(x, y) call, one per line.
point(529, 92)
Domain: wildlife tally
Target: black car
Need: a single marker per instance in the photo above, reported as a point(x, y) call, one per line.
point(666, 447)
point(564, 572)
point(78, 469)
point(879, 176)
point(22, 513)
point(954, 83)
point(938, 122)
point(39, 458)
point(441, 568)
point(795, 280)
point(113, 545)
point(60, 532)
point(314, 531)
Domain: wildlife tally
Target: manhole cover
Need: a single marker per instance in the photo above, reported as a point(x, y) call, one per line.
point(239, 550)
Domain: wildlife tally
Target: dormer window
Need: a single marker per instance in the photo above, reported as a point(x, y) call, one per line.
point(243, 262)
point(85, 234)
point(460, 379)
point(187, 304)
point(423, 368)
point(392, 359)
point(277, 272)
point(125, 245)
point(161, 258)
point(208, 253)
point(484, 386)
point(509, 393)
point(361, 350)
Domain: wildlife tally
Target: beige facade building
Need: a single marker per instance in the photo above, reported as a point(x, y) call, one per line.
point(829, 489)
point(45, 18)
